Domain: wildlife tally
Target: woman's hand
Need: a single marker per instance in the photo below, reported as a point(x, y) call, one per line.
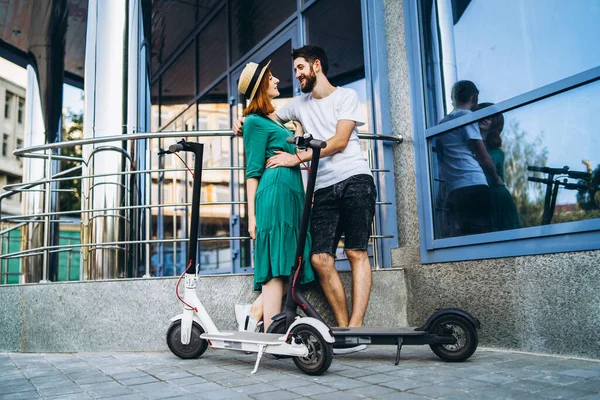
point(252, 226)
point(282, 159)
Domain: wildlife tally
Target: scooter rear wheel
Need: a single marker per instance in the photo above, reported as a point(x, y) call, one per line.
point(465, 334)
point(320, 352)
point(194, 349)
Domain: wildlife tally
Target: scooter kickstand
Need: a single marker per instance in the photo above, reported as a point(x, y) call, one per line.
point(399, 344)
point(260, 353)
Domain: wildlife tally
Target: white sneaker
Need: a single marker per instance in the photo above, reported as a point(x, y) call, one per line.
point(348, 350)
point(245, 321)
point(242, 311)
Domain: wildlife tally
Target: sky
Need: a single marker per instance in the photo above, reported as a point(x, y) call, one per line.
point(511, 47)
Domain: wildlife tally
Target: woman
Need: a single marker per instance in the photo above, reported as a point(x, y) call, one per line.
point(275, 197)
point(504, 210)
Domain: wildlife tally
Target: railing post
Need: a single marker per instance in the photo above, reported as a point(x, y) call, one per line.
point(47, 218)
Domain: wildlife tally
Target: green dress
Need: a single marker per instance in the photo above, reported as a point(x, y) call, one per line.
point(279, 202)
point(504, 210)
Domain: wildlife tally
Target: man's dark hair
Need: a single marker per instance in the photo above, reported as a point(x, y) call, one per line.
point(311, 54)
point(462, 91)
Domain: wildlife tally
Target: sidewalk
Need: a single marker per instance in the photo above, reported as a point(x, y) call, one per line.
point(489, 374)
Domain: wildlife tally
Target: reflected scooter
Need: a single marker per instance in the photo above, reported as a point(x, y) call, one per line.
point(451, 333)
point(308, 340)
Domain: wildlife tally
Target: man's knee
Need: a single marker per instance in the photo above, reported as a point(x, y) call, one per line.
point(357, 257)
point(322, 261)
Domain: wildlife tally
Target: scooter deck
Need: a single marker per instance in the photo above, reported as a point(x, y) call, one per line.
point(245, 337)
point(387, 336)
point(337, 331)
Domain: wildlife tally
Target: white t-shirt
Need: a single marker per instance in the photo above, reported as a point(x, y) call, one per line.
point(457, 163)
point(319, 117)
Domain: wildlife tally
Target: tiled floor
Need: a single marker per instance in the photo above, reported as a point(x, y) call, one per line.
point(489, 374)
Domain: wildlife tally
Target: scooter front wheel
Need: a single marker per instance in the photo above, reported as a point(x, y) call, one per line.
point(463, 331)
point(320, 352)
point(194, 349)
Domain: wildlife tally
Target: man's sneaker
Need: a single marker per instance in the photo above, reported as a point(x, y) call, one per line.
point(344, 349)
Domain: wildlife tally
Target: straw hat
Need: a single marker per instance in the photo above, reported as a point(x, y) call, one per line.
point(251, 77)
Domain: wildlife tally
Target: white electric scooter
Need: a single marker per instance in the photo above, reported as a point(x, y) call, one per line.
point(307, 340)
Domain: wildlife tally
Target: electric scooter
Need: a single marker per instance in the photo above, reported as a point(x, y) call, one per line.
point(450, 332)
point(307, 340)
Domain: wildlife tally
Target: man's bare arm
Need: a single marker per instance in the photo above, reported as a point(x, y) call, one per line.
point(335, 144)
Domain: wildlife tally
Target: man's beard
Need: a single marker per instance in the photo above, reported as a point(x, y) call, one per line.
point(309, 82)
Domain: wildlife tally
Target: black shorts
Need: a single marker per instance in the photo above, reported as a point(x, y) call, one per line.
point(346, 207)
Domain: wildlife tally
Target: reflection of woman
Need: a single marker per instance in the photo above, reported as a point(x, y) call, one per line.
point(275, 195)
point(504, 210)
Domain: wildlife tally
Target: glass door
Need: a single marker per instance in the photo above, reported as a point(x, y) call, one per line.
point(279, 51)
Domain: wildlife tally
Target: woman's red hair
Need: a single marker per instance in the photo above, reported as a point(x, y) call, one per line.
point(261, 104)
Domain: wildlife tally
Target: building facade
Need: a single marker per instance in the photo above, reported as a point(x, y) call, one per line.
point(532, 282)
point(12, 127)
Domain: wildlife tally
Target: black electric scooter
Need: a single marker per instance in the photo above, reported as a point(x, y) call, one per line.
point(307, 340)
point(450, 332)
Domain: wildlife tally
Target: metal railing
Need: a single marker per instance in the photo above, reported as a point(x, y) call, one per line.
point(49, 186)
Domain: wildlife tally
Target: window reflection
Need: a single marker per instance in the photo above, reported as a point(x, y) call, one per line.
point(545, 153)
point(250, 21)
point(177, 89)
point(529, 45)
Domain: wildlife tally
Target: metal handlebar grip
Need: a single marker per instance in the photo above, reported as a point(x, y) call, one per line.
point(306, 141)
point(174, 148)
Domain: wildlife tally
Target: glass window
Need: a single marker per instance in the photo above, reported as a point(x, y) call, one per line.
point(21, 110)
point(250, 21)
point(529, 44)
point(213, 113)
point(546, 153)
point(212, 54)
point(154, 107)
point(5, 144)
point(172, 21)
point(177, 86)
point(335, 25)
point(7, 100)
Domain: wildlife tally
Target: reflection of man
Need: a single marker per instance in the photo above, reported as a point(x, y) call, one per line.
point(462, 159)
point(344, 200)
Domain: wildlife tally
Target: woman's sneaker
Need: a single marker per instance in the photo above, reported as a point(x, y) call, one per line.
point(244, 319)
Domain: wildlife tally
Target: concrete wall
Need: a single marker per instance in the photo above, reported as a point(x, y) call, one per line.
point(134, 315)
point(547, 304)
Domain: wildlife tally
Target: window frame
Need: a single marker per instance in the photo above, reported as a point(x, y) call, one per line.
point(582, 235)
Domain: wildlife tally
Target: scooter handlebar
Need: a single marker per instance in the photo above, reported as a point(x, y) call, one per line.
point(174, 148)
point(306, 141)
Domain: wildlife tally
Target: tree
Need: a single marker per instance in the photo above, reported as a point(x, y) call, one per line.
point(72, 130)
point(520, 153)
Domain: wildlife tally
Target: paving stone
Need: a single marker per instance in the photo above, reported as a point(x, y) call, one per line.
point(312, 390)
point(201, 387)
point(20, 396)
point(581, 373)
point(60, 390)
point(226, 375)
point(278, 394)
point(158, 390)
point(404, 384)
point(18, 386)
point(435, 391)
point(106, 389)
point(377, 378)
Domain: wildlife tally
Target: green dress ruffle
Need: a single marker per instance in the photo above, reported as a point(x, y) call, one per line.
point(279, 202)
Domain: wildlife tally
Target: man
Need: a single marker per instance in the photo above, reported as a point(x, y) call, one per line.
point(463, 159)
point(344, 199)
